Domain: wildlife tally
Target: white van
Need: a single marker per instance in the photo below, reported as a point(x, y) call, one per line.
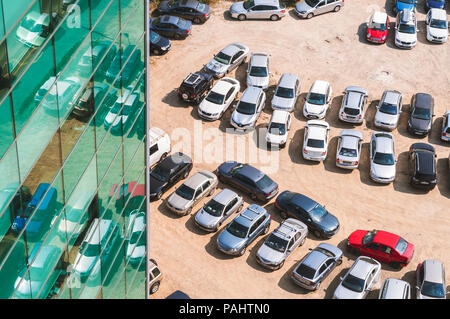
point(159, 145)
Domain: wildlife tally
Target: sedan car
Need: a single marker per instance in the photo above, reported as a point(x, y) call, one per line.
point(248, 109)
point(430, 280)
point(422, 166)
point(121, 74)
point(280, 244)
point(258, 70)
point(227, 59)
point(377, 27)
point(389, 109)
point(278, 129)
point(422, 113)
point(437, 26)
point(34, 29)
point(395, 289)
point(406, 29)
point(218, 100)
point(348, 149)
point(199, 185)
point(187, 9)
point(315, 140)
point(317, 100)
point(158, 44)
point(316, 266)
point(310, 8)
point(135, 238)
point(249, 179)
point(353, 105)
point(218, 209)
point(62, 96)
point(382, 157)
point(382, 246)
point(286, 94)
point(319, 221)
point(359, 280)
point(257, 9)
point(445, 131)
point(171, 27)
point(101, 55)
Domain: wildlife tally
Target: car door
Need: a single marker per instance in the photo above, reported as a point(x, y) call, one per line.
point(241, 182)
point(205, 188)
point(320, 8)
point(371, 250)
point(372, 147)
point(387, 254)
point(369, 282)
point(290, 247)
point(256, 12)
point(229, 209)
point(253, 231)
point(229, 98)
point(297, 240)
point(236, 59)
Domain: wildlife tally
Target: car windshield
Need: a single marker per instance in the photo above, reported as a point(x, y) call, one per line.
point(277, 128)
point(353, 283)
point(433, 289)
point(407, 28)
point(237, 229)
point(312, 3)
point(264, 182)
point(214, 208)
point(285, 93)
point(246, 108)
point(276, 243)
point(421, 113)
point(31, 25)
point(388, 109)
point(306, 271)
point(318, 213)
point(185, 191)
point(222, 58)
point(348, 152)
point(315, 143)
point(215, 98)
point(324, 251)
point(378, 26)
point(368, 237)
point(160, 174)
point(316, 98)
point(401, 246)
point(248, 4)
point(258, 71)
point(384, 159)
point(439, 24)
point(154, 37)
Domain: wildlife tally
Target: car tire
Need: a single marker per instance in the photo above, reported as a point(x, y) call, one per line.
point(159, 195)
point(274, 17)
point(211, 192)
point(266, 229)
point(197, 20)
point(156, 51)
point(339, 261)
point(283, 214)
point(177, 36)
point(337, 8)
point(240, 207)
point(281, 265)
point(185, 174)
point(318, 285)
point(242, 251)
point(303, 241)
point(188, 212)
point(317, 234)
point(154, 288)
point(353, 251)
point(163, 157)
point(310, 15)
point(253, 196)
point(242, 17)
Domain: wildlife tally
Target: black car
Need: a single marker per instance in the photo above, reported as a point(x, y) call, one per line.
point(132, 58)
point(171, 27)
point(158, 44)
point(422, 112)
point(195, 86)
point(422, 166)
point(94, 95)
point(186, 9)
point(319, 221)
point(169, 171)
point(249, 179)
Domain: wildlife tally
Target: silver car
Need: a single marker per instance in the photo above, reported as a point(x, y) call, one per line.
point(353, 105)
point(430, 280)
point(227, 59)
point(286, 94)
point(218, 209)
point(349, 149)
point(197, 186)
point(310, 8)
point(445, 132)
point(258, 73)
point(258, 9)
point(277, 247)
point(382, 157)
point(248, 108)
point(395, 289)
point(388, 110)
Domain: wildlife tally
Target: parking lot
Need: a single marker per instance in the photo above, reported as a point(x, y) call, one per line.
point(329, 47)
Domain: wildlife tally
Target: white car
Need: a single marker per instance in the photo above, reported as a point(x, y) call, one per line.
point(217, 101)
point(159, 145)
point(315, 141)
point(317, 100)
point(34, 29)
point(248, 108)
point(353, 107)
point(62, 96)
point(135, 238)
point(258, 73)
point(382, 157)
point(389, 109)
point(359, 280)
point(406, 29)
point(278, 129)
point(349, 149)
point(437, 25)
point(286, 94)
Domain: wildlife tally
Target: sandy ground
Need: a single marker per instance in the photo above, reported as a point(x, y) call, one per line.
point(330, 47)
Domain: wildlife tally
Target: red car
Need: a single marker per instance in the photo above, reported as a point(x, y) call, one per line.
point(377, 27)
point(382, 246)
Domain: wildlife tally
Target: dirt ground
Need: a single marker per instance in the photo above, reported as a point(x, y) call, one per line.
point(330, 47)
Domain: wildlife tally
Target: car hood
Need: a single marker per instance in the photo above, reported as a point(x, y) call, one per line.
point(178, 202)
point(329, 222)
point(238, 7)
point(208, 107)
point(386, 118)
point(419, 123)
point(343, 293)
point(228, 240)
point(384, 171)
point(282, 103)
point(216, 66)
point(407, 37)
point(27, 35)
point(302, 6)
point(162, 42)
point(243, 119)
point(269, 254)
point(134, 251)
point(376, 33)
point(314, 108)
point(257, 81)
point(205, 219)
point(435, 32)
point(155, 185)
point(409, 251)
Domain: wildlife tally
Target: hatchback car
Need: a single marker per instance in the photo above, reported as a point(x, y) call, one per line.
point(123, 113)
point(278, 128)
point(422, 113)
point(401, 5)
point(437, 26)
point(249, 179)
point(195, 86)
point(34, 29)
point(96, 95)
point(430, 280)
point(445, 130)
point(218, 209)
point(243, 230)
point(388, 110)
point(422, 166)
point(317, 100)
point(196, 187)
point(158, 44)
point(377, 27)
point(395, 289)
point(280, 244)
point(310, 8)
point(258, 73)
point(406, 29)
point(286, 94)
point(348, 150)
point(135, 239)
point(319, 221)
point(227, 59)
point(315, 140)
point(155, 276)
point(131, 55)
point(248, 109)
point(359, 280)
point(382, 157)
point(171, 27)
point(316, 266)
point(187, 9)
point(257, 9)
point(219, 99)
point(353, 105)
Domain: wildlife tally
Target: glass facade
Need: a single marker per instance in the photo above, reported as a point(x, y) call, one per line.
point(72, 149)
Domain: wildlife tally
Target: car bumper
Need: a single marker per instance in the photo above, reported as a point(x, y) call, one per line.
point(389, 127)
point(176, 210)
point(207, 116)
point(436, 40)
point(376, 40)
point(241, 128)
point(234, 14)
point(402, 45)
point(202, 227)
point(287, 109)
point(268, 265)
point(303, 284)
point(423, 185)
point(417, 132)
point(314, 158)
point(227, 251)
point(301, 14)
point(314, 116)
point(351, 120)
point(445, 138)
point(346, 166)
point(381, 180)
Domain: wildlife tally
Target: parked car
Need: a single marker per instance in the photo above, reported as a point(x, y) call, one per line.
point(95, 97)
point(167, 173)
point(430, 280)
point(348, 149)
point(286, 94)
point(278, 128)
point(401, 5)
point(131, 55)
point(159, 45)
point(249, 179)
point(195, 86)
point(422, 166)
point(382, 157)
point(199, 185)
point(422, 113)
point(437, 26)
point(42, 91)
point(159, 145)
point(362, 276)
point(136, 238)
point(243, 230)
point(218, 209)
point(406, 29)
point(377, 27)
point(316, 266)
point(187, 9)
point(123, 113)
point(281, 242)
point(438, 4)
point(97, 56)
point(445, 131)
point(248, 108)
point(155, 276)
point(395, 289)
point(34, 29)
point(353, 107)
point(310, 8)
point(171, 27)
point(320, 222)
point(317, 100)
point(12, 199)
point(389, 109)
point(258, 9)
point(227, 59)
point(381, 245)
point(62, 96)
point(258, 72)
point(219, 99)
point(315, 140)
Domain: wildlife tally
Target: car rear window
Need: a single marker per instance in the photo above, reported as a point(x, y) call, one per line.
point(315, 143)
point(306, 271)
point(401, 246)
point(348, 152)
point(351, 111)
point(264, 182)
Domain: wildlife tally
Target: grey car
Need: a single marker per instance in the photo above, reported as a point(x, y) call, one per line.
point(430, 280)
point(445, 132)
point(227, 59)
point(395, 289)
point(286, 94)
point(248, 108)
point(243, 230)
point(353, 105)
point(218, 209)
point(382, 157)
point(316, 266)
point(258, 72)
point(388, 110)
point(277, 247)
point(258, 9)
point(310, 8)
point(197, 186)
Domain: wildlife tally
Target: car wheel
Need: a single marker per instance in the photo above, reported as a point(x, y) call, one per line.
point(283, 214)
point(211, 192)
point(163, 156)
point(185, 174)
point(281, 265)
point(317, 234)
point(303, 241)
point(318, 285)
point(253, 196)
point(188, 212)
point(310, 15)
point(242, 17)
point(156, 51)
point(154, 288)
point(197, 20)
point(353, 251)
point(159, 195)
point(177, 36)
point(339, 261)
point(242, 251)
point(337, 8)
point(240, 207)
point(274, 17)
point(266, 230)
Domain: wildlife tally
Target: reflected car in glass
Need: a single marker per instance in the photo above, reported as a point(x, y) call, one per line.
point(93, 95)
point(11, 203)
point(124, 111)
point(62, 96)
point(34, 29)
point(131, 55)
point(135, 238)
point(95, 55)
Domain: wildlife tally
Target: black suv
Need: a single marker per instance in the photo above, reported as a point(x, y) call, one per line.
point(422, 166)
point(195, 86)
point(422, 112)
point(186, 9)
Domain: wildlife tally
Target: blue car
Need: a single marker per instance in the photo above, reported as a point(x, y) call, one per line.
point(438, 4)
point(405, 5)
point(171, 27)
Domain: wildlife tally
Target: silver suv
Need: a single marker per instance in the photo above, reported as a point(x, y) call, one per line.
point(310, 8)
point(258, 9)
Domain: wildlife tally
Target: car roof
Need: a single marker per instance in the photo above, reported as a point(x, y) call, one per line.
point(354, 95)
point(303, 201)
point(97, 230)
point(250, 94)
point(314, 259)
point(422, 146)
point(407, 16)
point(273, 2)
point(198, 178)
point(425, 162)
point(279, 116)
point(349, 141)
point(317, 129)
point(41, 18)
point(384, 142)
point(438, 14)
point(188, 3)
point(379, 17)
point(394, 288)
point(230, 49)
point(174, 160)
point(169, 19)
point(423, 100)
point(224, 196)
point(251, 172)
point(392, 96)
point(433, 270)
point(288, 80)
point(259, 59)
point(386, 238)
point(250, 214)
point(362, 266)
point(155, 133)
point(222, 87)
point(319, 86)
point(288, 228)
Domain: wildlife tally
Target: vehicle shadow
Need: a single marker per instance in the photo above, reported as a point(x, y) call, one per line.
point(251, 258)
point(331, 288)
point(362, 31)
point(211, 248)
point(390, 38)
point(364, 166)
point(162, 208)
point(369, 117)
point(422, 34)
point(227, 16)
point(298, 108)
point(241, 75)
point(295, 149)
point(332, 116)
point(330, 161)
point(389, 8)
point(434, 137)
point(422, 7)
point(287, 284)
point(401, 182)
point(173, 100)
point(443, 173)
point(275, 215)
point(192, 227)
point(410, 277)
point(294, 15)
